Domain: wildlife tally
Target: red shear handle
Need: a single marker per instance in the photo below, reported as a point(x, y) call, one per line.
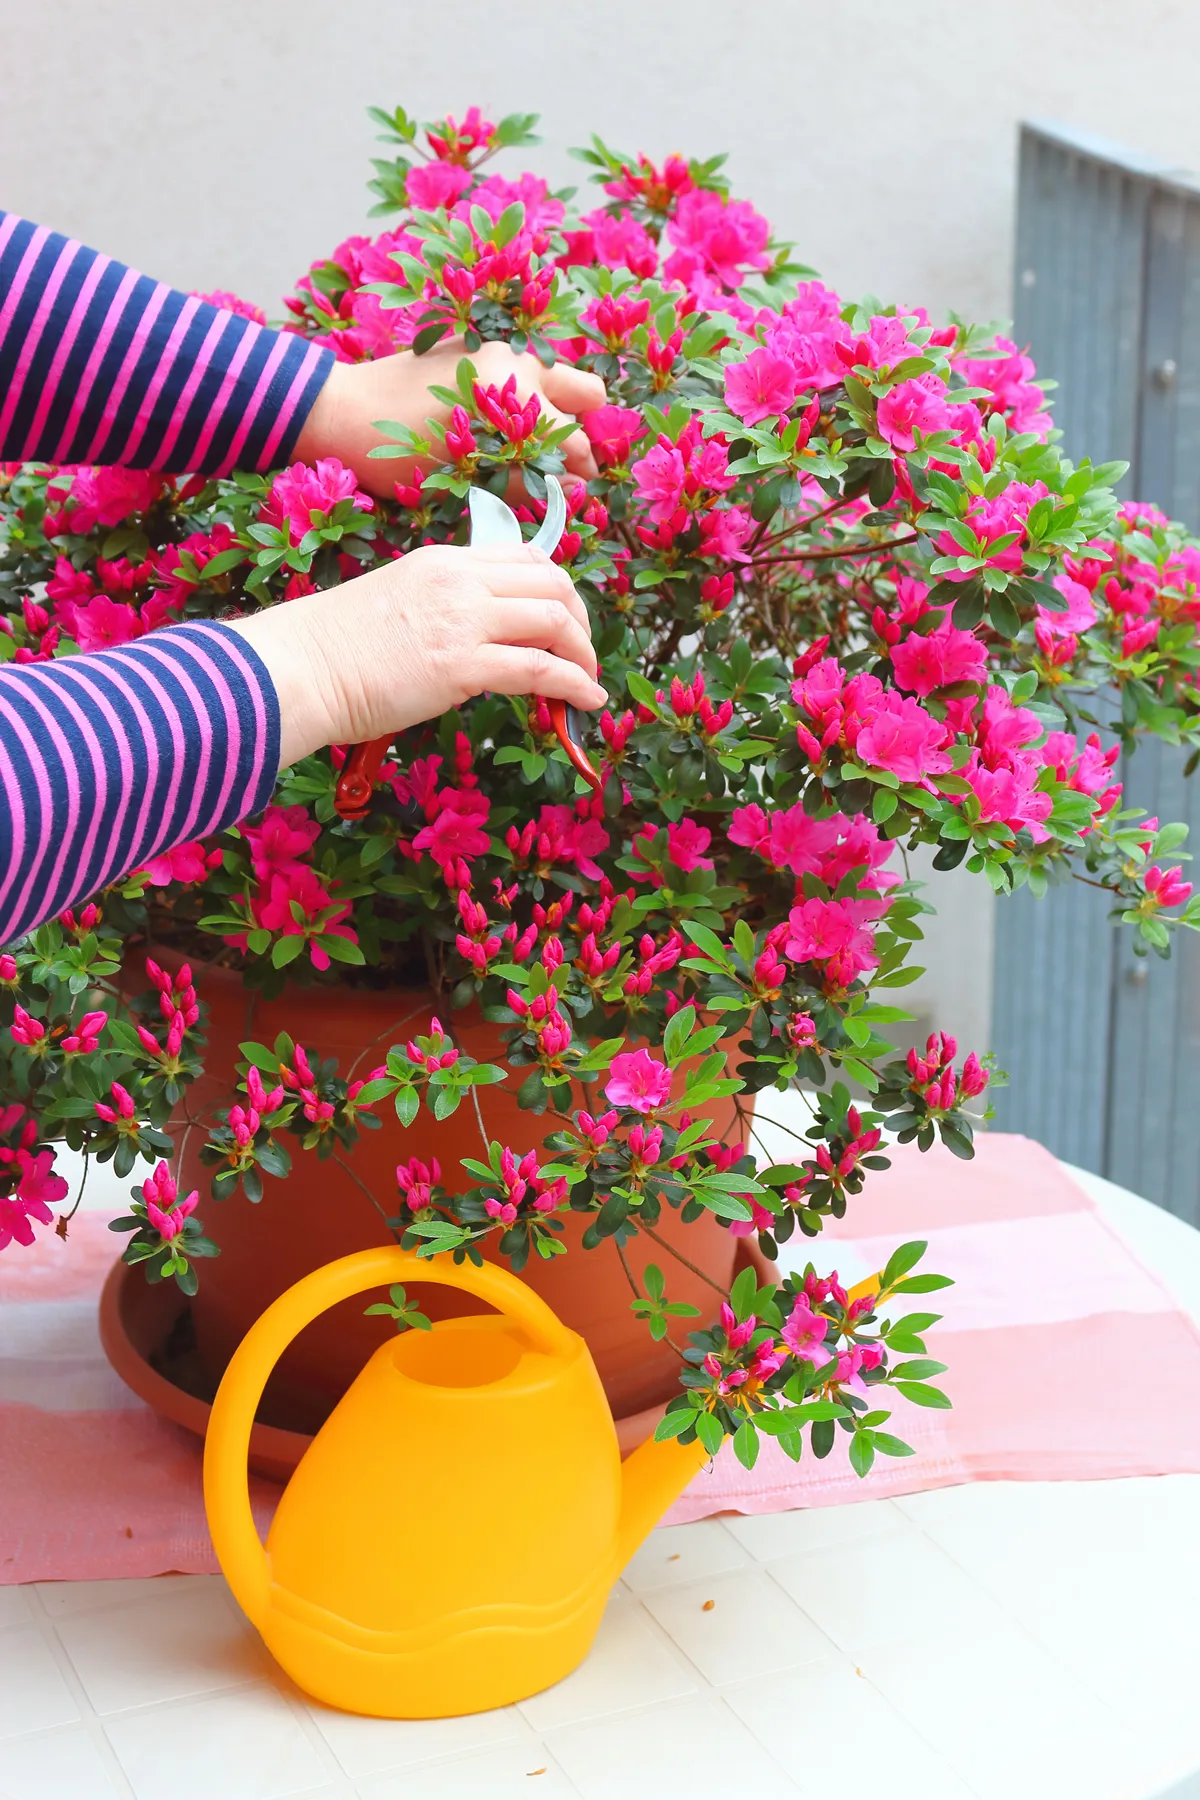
point(356, 783)
point(562, 717)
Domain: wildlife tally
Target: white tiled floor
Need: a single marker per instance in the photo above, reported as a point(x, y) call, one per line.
point(955, 1644)
point(984, 1641)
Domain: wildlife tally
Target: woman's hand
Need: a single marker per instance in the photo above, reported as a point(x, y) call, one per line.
point(411, 640)
point(342, 421)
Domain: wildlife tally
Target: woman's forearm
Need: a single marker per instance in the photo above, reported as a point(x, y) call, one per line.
point(109, 760)
point(99, 364)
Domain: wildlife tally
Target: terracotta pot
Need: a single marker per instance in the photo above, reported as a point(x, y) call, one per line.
point(146, 1334)
point(323, 1211)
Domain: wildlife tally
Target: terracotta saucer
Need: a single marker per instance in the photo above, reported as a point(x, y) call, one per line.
point(144, 1332)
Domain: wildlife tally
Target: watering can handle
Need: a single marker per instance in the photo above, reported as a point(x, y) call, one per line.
point(227, 1444)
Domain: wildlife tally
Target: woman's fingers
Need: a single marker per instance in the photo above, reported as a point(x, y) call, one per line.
point(525, 578)
point(513, 669)
point(542, 625)
point(573, 390)
point(576, 449)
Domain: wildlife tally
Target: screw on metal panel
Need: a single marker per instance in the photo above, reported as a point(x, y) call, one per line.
point(1164, 375)
point(1028, 278)
point(1138, 974)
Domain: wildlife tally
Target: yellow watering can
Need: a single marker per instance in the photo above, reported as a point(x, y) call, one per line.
point(448, 1541)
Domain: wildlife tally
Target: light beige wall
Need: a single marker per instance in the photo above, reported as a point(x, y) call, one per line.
point(224, 143)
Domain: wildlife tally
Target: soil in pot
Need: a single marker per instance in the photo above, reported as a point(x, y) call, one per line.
point(329, 1208)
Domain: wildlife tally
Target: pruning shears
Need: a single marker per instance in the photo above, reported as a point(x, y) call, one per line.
point(492, 522)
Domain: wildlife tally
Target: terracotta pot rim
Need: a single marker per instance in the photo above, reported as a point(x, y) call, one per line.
point(274, 1451)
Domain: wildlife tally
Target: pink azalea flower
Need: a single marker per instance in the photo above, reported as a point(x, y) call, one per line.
point(39, 1186)
point(638, 1080)
point(244, 309)
point(726, 238)
point(430, 185)
point(804, 1332)
point(622, 244)
point(164, 1210)
point(723, 532)
point(911, 407)
point(812, 354)
point(284, 836)
point(299, 886)
point(1005, 728)
point(458, 828)
point(496, 192)
point(1080, 614)
point(904, 738)
point(563, 836)
point(186, 862)
point(658, 478)
point(103, 624)
point(938, 659)
point(760, 1219)
point(686, 844)
point(69, 587)
point(106, 496)
point(38, 1189)
point(1010, 795)
point(1010, 377)
point(749, 826)
point(299, 492)
point(612, 431)
point(823, 929)
point(761, 387)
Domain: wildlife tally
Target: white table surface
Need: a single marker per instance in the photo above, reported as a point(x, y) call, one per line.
point(996, 1640)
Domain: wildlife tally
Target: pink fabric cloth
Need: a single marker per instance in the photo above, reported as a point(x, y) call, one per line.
point(1068, 1360)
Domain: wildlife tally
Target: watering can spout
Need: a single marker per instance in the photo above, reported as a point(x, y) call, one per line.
point(652, 1478)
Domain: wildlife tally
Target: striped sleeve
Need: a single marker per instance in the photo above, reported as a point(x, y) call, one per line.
point(108, 760)
point(99, 364)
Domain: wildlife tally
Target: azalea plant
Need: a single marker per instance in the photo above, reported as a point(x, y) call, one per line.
point(851, 599)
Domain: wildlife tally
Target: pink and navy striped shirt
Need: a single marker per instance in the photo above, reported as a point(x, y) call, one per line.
point(99, 364)
point(108, 760)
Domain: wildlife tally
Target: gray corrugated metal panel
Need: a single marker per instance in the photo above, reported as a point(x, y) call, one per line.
point(1065, 139)
point(1085, 143)
point(1080, 235)
point(1051, 1019)
point(1169, 436)
point(1154, 1105)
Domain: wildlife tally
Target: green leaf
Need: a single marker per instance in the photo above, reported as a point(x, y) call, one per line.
point(862, 1452)
point(743, 1293)
point(408, 1103)
point(642, 691)
point(746, 1444)
point(340, 949)
point(1004, 615)
point(969, 604)
point(921, 1394)
point(673, 1423)
point(902, 1260)
point(677, 1033)
point(709, 1431)
point(923, 1284)
point(888, 1445)
point(919, 1369)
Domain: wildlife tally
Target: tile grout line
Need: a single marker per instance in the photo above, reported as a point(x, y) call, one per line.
point(861, 1675)
point(708, 1691)
point(1016, 1624)
point(89, 1717)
